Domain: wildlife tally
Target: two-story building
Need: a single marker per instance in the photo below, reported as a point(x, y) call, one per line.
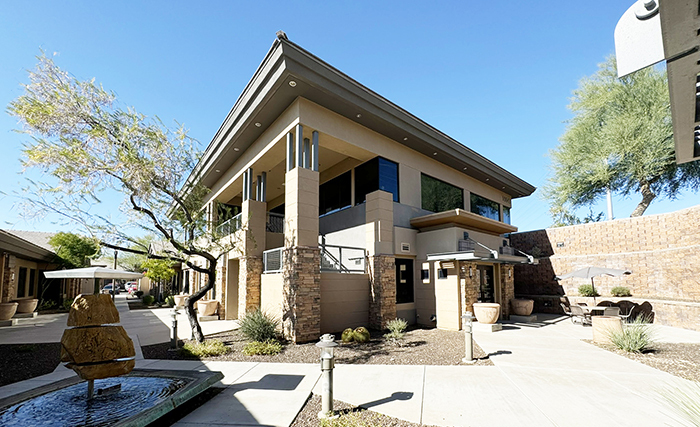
point(349, 210)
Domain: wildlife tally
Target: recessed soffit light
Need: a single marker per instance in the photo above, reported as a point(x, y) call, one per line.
point(218, 170)
point(236, 149)
point(292, 83)
point(358, 115)
point(435, 153)
point(405, 138)
point(487, 180)
point(258, 124)
point(464, 168)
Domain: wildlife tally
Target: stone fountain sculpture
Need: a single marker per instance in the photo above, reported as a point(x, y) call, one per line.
point(94, 346)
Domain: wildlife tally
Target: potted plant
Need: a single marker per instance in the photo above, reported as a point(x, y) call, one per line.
point(208, 307)
point(7, 310)
point(487, 312)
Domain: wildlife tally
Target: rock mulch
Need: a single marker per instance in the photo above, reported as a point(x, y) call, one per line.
point(420, 347)
point(19, 362)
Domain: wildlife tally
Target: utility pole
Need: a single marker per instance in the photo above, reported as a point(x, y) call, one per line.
point(114, 285)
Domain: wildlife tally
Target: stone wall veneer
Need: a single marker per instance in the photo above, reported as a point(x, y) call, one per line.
point(302, 294)
point(249, 270)
point(382, 302)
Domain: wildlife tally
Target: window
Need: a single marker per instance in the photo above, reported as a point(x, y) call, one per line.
point(22, 282)
point(439, 196)
point(484, 207)
point(506, 214)
point(32, 279)
point(404, 281)
point(334, 194)
point(442, 273)
point(376, 174)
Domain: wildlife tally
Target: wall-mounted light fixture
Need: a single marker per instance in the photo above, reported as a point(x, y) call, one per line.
point(510, 273)
point(470, 271)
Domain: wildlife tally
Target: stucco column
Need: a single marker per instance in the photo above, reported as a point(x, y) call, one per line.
point(379, 218)
point(468, 286)
point(220, 286)
point(302, 258)
point(507, 288)
point(252, 245)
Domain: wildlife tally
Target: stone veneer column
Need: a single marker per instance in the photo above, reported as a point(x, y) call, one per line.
point(507, 289)
point(302, 258)
point(7, 285)
point(468, 286)
point(250, 266)
point(379, 218)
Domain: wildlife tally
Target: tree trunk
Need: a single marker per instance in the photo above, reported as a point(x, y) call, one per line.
point(647, 197)
point(189, 303)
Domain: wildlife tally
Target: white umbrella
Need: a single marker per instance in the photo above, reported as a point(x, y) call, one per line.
point(591, 272)
point(92, 273)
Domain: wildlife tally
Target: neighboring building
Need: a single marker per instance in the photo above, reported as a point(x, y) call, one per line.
point(348, 209)
point(25, 256)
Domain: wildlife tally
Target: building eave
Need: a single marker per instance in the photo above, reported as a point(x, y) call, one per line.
point(465, 219)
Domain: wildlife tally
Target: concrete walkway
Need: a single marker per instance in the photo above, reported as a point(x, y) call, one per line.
point(544, 375)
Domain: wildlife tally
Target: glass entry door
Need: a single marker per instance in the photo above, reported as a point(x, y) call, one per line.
point(486, 283)
point(404, 281)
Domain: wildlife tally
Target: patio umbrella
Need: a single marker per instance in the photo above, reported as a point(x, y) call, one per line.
point(591, 272)
point(92, 273)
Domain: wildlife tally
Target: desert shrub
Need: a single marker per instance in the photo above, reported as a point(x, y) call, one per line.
point(397, 330)
point(170, 301)
point(205, 349)
point(359, 418)
point(48, 305)
point(635, 337)
point(347, 335)
point(684, 400)
point(256, 325)
point(138, 294)
point(360, 334)
point(148, 299)
point(269, 348)
point(67, 303)
point(620, 291)
point(587, 291)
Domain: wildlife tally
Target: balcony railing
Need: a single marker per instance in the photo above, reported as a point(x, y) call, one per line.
point(275, 223)
point(343, 259)
point(230, 226)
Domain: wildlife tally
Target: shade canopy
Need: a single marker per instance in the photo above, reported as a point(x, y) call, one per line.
point(92, 273)
point(591, 272)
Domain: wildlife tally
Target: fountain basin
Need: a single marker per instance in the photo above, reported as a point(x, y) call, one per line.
point(145, 396)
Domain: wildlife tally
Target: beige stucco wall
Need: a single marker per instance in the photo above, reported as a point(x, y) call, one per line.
point(445, 240)
point(405, 235)
point(424, 296)
point(447, 298)
point(344, 301)
point(271, 294)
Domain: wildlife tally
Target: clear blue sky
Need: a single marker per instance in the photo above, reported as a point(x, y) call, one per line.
point(496, 76)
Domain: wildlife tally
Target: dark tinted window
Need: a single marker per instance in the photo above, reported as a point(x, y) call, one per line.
point(506, 214)
point(484, 207)
point(376, 174)
point(32, 279)
point(439, 196)
point(21, 282)
point(334, 194)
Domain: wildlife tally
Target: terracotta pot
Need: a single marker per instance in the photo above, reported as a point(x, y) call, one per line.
point(7, 310)
point(487, 312)
point(603, 326)
point(26, 305)
point(522, 307)
point(207, 308)
point(180, 300)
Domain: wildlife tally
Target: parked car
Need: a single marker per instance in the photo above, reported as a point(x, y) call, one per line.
point(108, 289)
point(132, 287)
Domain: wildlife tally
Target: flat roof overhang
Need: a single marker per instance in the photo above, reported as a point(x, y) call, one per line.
point(269, 93)
point(472, 256)
point(24, 249)
point(465, 219)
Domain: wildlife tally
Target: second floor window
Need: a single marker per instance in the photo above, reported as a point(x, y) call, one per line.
point(484, 207)
point(439, 196)
point(334, 194)
point(376, 174)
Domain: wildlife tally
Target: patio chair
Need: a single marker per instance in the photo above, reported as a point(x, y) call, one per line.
point(626, 317)
point(577, 314)
point(566, 311)
point(611, 311)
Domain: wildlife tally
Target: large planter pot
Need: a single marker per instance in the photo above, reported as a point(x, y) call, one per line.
point(603, 326)
point(180, 300)
point(207, 308)
point(522, 307)
point(26, 305)
point(7, 310)
point(487, 312)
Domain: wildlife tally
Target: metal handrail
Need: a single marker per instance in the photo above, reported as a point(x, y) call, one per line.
point(230, 226)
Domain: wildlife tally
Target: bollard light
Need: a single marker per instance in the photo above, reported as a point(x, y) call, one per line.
point(468, 339)
point(173, 330)
point(326, 344)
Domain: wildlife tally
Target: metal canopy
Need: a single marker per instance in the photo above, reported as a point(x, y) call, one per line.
point(471, 256)
point(92, 273)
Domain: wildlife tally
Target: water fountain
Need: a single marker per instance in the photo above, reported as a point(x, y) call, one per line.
point(96, 348)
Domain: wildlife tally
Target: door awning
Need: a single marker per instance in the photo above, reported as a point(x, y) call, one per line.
point(487, 255)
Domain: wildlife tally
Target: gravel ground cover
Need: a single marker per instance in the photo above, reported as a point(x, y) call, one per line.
point(681, 360)
point(19, 362)
point(420, 347)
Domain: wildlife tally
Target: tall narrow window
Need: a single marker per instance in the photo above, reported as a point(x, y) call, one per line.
point(484, 207)
point(439, 196)
point(506, 214)
point(22, 282)
point(31, 285)
point(376, 174)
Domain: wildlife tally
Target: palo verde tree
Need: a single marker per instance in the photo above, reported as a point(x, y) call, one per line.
point(621, 139)
point(88, 148)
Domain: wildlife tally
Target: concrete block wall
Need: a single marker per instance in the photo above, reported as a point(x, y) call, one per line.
point(663, 252)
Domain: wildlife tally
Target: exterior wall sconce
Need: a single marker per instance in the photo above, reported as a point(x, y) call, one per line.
point(326, 344)
point(470, 272)
point(510, 273)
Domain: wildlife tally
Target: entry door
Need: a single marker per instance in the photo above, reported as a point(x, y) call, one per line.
point(486, 283)
point(404, 281)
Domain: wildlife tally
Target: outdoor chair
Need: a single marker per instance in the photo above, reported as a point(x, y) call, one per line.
point(626, 317)
point(577, 314)
point(566, 311)
point(611, 311)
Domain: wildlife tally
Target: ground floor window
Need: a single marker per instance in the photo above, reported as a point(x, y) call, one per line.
point(404, 281)
point(26, 282)
point(486, 284)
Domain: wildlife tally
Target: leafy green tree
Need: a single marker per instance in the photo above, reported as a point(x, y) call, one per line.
point(88, 147)
point(620, 138)
point(75, 250)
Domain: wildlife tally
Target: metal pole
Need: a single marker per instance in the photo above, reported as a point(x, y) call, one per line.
point(468, 338)
point(327, 386)
point(173, 331)
point(91, 389)
point(114, 286)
